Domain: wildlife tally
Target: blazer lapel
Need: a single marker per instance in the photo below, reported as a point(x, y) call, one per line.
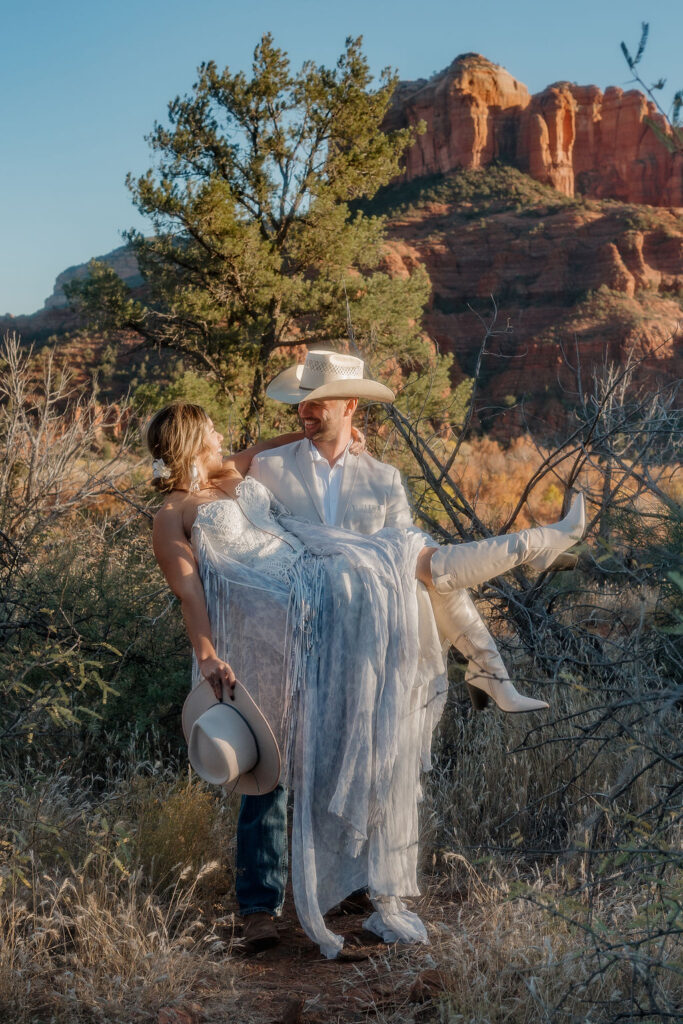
point(309, 478)
point(349, 474)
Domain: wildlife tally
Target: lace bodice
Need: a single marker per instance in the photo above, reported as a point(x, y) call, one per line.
point(246, 530)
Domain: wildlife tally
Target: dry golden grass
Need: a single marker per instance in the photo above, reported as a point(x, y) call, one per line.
point(110, 952)
point(105, 906)
point(494, 958)
point(116, 901)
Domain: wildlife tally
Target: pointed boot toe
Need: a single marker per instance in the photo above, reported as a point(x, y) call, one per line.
point(508, 699)
point(551, 541)
point(575, 520)
point(499, 687)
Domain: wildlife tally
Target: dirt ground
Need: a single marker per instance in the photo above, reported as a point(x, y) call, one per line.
point(293, 984)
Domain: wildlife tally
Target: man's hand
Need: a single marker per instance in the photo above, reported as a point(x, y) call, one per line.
point(218, 672)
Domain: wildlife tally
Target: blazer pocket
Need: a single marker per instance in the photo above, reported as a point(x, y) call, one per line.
point(364, 519)
point(368, 508)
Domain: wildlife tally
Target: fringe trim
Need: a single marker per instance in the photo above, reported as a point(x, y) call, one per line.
point(304, 631)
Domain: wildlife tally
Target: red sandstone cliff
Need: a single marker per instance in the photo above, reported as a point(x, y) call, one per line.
point(575, 138)
point(598, 280)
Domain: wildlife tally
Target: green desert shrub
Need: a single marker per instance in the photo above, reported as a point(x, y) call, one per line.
point(471, 192)
point(91, 640)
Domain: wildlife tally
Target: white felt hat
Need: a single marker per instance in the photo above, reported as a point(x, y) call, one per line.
point(229, 742)
point(327, 375)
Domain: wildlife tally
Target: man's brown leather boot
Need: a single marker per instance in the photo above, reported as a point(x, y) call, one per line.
point(259, 932)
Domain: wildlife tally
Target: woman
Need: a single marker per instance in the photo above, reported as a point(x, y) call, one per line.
point(322, 625)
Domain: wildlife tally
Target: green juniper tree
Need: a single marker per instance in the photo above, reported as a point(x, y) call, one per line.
point(256, 241)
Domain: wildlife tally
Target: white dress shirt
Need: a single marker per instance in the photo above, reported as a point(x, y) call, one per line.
point(330, 479)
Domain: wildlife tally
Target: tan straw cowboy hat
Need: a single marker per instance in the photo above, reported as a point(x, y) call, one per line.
point(229, 742)
point(326, 375)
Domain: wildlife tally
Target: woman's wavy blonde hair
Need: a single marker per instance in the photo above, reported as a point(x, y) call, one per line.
point(176, 434)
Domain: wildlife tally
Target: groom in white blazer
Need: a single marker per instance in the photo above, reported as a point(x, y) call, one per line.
point(320, 480)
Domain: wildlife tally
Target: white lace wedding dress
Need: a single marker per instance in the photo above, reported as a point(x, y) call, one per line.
point(327, 631)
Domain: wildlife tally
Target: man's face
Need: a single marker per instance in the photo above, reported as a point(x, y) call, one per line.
point(324, 420)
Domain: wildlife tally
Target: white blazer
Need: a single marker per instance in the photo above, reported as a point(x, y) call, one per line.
point(371, 495)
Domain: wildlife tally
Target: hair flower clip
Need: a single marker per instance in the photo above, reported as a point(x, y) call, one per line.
point(160, 470)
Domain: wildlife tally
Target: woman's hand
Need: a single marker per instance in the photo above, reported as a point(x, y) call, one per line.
point(218, 672)
point(357, 446)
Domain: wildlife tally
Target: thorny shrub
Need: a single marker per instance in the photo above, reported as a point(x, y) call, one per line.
point(84, 615)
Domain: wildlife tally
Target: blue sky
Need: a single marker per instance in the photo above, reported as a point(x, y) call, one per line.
point(81, 84)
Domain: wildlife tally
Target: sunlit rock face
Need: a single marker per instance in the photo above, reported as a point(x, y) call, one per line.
point(575, 138)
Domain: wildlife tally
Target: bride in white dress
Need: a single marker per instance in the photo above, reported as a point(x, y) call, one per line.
point(324, 628)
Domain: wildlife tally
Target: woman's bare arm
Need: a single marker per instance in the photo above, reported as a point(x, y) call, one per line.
point(177, 562)
point(240, 462)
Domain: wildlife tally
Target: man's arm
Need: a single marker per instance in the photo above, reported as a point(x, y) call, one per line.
point(398, 510)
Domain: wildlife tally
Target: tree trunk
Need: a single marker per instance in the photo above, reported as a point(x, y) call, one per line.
point(258, 395)
point(252, 426)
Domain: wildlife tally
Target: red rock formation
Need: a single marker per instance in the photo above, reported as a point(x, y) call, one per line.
point(465, 109)
point(545, 143)
point(572, 137)
point(617, 155)
point(598, 281)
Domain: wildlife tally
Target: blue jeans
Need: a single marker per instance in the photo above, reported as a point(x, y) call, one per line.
point(261, 860)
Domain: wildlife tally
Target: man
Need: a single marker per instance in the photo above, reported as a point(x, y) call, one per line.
point(318, 479)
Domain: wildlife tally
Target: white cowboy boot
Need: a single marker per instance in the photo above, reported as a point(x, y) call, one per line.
point(459, 622)
point(455, 566)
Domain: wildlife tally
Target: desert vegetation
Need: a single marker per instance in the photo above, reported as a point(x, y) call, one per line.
point(551, 848)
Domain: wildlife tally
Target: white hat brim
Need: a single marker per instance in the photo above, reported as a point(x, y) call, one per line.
point(265, 774)
point(286, 387)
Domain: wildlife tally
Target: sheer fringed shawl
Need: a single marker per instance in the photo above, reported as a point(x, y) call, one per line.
point(346, 664)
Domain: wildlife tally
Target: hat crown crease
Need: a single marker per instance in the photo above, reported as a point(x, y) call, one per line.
point(222, 748)
point(319, 371)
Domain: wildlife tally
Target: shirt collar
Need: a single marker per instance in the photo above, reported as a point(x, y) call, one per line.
point(317, 457)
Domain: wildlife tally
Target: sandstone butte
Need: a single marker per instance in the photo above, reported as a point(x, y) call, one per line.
point(573, 137)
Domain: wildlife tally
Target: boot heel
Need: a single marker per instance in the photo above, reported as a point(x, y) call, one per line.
point(479, 698)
